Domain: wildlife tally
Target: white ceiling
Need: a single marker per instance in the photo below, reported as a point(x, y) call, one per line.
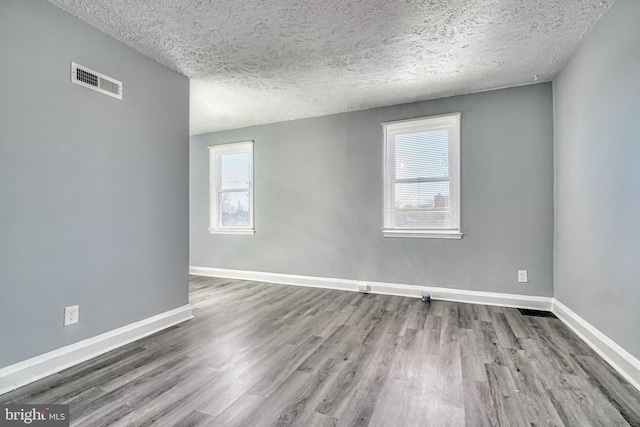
point(263, 61)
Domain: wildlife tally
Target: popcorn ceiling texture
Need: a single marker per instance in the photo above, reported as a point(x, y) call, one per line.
point(262, 61)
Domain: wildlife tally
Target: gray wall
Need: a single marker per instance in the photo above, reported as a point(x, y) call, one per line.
point(93, 191)
point(318, 196)
point(597, 242)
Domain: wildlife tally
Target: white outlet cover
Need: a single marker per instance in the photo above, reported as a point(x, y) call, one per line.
point(523, 276)
point(71, 315)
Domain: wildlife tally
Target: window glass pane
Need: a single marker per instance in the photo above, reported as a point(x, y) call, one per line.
point(234, 209)
point(231, 185)
point(422, 155)
point(422, 177)
point(422, 205)
point(236, 171)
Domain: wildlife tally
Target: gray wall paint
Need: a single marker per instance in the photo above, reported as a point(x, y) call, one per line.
point(597, 242)
point(94, 191)
point(318, 185)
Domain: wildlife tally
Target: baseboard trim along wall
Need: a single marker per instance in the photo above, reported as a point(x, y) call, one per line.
point(443, 294)
point(621, 360)
point(35, 368)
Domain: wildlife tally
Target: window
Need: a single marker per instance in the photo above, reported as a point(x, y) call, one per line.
point(422, 177)
point(231, 187)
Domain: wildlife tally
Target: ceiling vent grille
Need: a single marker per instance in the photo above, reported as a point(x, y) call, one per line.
point(88, 78)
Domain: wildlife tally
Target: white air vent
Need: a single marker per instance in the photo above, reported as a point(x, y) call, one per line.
point(86, 77)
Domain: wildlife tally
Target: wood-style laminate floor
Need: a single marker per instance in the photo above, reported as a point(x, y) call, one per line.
point(259, 354)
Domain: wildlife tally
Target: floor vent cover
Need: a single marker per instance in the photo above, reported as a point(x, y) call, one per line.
point(88, 78)
point(536, 313)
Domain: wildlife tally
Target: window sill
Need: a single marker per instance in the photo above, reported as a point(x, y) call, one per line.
point(423, 234)
point(232, 231)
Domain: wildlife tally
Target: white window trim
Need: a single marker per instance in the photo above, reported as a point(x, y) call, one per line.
point(390, 129)
point(226, 149)
point(421, 233)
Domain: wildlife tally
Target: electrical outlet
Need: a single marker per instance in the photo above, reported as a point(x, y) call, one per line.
point(363, 288)
point(523, 276)
point(71, 315)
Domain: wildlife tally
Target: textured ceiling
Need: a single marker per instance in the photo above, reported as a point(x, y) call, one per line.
point(263, 61)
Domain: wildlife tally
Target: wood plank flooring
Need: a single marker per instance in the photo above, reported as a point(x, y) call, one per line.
point(259, 354)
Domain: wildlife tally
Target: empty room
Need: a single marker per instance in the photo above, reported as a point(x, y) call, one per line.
point(320, 213)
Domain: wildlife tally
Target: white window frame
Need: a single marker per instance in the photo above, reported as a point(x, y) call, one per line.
point(391, 130)
point(215, 154)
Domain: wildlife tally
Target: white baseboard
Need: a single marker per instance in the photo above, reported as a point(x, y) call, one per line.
point(444, 294)
point(620, 359)
point(35, 368)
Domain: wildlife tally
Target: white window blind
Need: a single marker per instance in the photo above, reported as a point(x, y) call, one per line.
point(422, 177)
point(231, 198)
